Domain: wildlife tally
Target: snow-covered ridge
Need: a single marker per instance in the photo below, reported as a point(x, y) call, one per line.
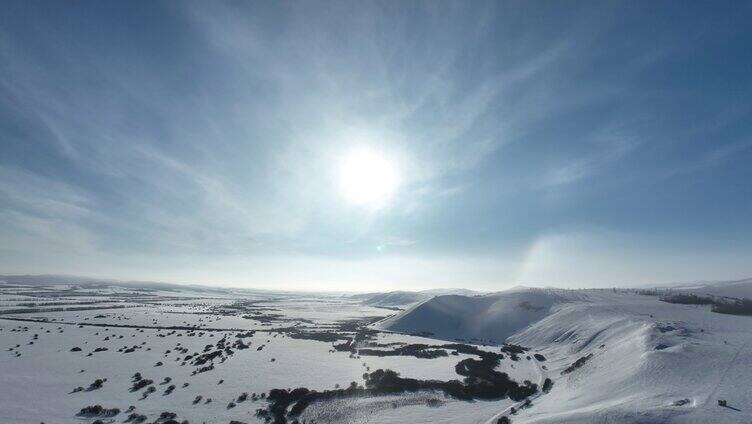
point(392, 299)
point(735, 289)
point(638, 359)
point(402, 298)
point(492, 317)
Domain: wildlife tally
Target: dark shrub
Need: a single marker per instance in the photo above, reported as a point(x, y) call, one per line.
point(547, 384)
point(97, 384)
point(98, 411)
point(136, 418)
point(140, 384)
point(687, 299)
point(577, 364)
point(734, 307)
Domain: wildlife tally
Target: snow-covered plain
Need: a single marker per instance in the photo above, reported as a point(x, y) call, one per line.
point(40, 371)
point(646, 361)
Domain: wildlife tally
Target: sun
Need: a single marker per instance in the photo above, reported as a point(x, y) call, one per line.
point(368, 178)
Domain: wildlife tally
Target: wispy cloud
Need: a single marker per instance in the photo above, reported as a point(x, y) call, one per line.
point(607, 151)
point(212, 135)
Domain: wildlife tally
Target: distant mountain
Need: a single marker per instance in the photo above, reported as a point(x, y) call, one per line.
point(395, 298)
point(731, 288)
point(405, 298)
point(52, 280)
point(462, 292)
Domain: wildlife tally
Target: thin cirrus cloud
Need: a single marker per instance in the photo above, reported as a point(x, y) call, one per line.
point(202, 141)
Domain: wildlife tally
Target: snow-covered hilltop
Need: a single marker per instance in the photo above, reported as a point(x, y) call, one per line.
point(491, 318)
point(613, 356)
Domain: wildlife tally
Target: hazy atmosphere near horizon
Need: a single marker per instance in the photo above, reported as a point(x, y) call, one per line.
point(374, 146)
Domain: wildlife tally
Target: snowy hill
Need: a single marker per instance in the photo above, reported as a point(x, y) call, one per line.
point(404, 298)
point(491, 317)
point(393, 299)
point(612, 356)
point(737, 289)
point(595, 356)
point(440, 292)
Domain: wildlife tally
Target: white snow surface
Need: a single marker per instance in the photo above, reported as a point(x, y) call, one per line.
point(490, 318)
point(652, 362)
point(649, 361)
point(735, 289)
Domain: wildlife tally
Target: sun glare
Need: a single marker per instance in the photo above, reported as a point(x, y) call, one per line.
point(368, 178)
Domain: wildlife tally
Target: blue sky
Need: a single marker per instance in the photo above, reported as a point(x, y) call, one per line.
point(574, 144)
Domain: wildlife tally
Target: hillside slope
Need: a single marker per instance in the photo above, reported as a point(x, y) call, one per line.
point(491, 318)
point(651, 362)
point(639, 360)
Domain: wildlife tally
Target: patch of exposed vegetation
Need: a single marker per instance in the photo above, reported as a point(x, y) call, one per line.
point(721, 305)
point(98, 411)
point(687, 299)
point(481, 382)
point(734, 307)
point(577, 364)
